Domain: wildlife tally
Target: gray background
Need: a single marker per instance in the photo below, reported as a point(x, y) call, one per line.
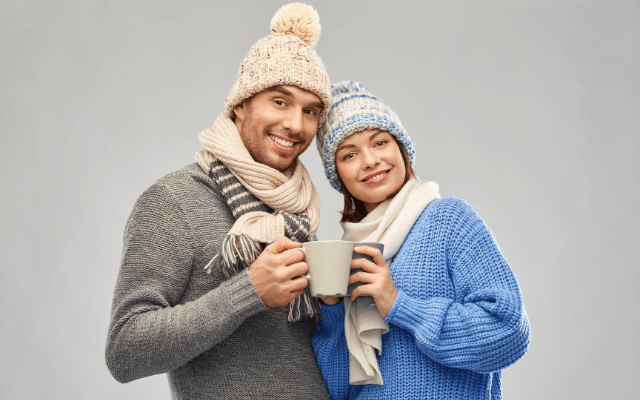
point(529, 110)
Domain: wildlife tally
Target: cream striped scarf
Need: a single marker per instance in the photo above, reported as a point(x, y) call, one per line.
point(266, 203)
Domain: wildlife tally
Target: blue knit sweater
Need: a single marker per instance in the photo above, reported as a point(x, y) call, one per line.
point(457, 321)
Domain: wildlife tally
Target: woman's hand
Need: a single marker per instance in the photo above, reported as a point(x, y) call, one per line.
point(378, 278)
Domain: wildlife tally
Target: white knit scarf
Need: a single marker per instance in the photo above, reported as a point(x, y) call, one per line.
point(293, 193)
point(389, 223)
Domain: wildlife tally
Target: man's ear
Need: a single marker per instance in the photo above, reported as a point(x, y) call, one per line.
point(240, 110)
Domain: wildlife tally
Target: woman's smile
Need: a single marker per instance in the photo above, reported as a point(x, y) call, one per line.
point(370, 165)
point(376, 177)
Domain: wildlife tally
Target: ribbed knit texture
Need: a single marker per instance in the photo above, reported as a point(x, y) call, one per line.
point(353, 109)
point(389, 224)
point(293, 194)
point(457, 321)
point(213, 336)
point(266, 203)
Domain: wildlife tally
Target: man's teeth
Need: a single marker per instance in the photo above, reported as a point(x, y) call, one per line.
point(377, 176)
point(280, 141)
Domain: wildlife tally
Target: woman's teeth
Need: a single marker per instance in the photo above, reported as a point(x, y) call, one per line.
point(377, 176)
point(280, 141)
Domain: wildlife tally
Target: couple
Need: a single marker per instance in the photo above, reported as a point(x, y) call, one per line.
point(210, 290)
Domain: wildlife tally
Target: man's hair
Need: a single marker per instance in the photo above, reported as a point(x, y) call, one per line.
point(354, 209)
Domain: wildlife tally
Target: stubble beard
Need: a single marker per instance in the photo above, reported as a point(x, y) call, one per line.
point(253, 143)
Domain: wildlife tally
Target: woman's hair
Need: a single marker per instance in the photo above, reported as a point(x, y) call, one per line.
point(354, 209)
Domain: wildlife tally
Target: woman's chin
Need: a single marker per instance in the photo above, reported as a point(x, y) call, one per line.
point(372, 202)
point(378, 194)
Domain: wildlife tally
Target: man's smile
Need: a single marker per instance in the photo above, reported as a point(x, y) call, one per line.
point(281, 143)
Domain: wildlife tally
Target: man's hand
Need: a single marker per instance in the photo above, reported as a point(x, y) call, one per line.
point(277, 272)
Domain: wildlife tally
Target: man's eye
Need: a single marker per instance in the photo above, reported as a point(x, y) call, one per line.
point(279, 102)
point(311, 112)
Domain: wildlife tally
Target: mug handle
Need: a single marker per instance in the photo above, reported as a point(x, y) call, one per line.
point(307, 276)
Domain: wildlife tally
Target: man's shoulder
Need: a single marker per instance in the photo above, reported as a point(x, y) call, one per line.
point(187, 184)
point(187, 197)
point(188, 175)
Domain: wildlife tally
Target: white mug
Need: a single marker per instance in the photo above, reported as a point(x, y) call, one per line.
point(329, 264)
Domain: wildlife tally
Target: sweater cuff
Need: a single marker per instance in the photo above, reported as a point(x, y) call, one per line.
point(243, 296)
point(413, 314)
point(332, 317)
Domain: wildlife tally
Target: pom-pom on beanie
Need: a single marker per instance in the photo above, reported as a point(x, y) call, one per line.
point(285, 57)
point(353, 109)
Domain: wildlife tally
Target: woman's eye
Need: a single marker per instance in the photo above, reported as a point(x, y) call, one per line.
point(380, 142)
point(348, 156)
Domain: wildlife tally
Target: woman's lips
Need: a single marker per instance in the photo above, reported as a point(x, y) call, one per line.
point(376, 178)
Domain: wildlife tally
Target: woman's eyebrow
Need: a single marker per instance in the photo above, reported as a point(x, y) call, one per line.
point(344, 146)
point(375, 134)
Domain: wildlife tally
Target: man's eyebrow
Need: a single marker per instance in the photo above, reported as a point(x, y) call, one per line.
point(279, 89)
point(316, 104)
point(286, 92)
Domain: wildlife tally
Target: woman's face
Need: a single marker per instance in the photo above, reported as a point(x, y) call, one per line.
point(370, 165)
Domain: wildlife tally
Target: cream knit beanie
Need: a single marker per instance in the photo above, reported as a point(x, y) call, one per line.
point(286, 57)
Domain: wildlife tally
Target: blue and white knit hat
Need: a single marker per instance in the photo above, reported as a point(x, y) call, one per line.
point(353, 110)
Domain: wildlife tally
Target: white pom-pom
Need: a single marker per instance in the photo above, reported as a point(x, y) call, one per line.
point(300, 20)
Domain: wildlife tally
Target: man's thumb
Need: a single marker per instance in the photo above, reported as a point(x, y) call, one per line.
point(283, 244)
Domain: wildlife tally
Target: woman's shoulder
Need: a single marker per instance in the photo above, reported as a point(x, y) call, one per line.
point(449, 214)
point(449, 207)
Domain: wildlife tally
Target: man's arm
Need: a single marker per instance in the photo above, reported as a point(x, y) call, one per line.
point(150, 332)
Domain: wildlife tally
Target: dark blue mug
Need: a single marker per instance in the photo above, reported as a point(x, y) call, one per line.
point(356, 256)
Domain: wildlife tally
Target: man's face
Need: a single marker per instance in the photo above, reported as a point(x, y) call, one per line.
point(278, 124)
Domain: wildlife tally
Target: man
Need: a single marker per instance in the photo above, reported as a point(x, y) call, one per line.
point(199, 296)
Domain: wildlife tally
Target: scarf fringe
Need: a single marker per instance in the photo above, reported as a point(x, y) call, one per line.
point(239, 252)
point(233, 259)
point(305, 301)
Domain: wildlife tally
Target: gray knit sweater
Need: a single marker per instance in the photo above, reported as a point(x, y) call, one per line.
point(214, 337)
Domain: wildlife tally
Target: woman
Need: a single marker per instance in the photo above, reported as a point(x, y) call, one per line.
point(448, 312)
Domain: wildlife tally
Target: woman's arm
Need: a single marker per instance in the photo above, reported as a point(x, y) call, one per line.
point(330, 346)
point(485, 328)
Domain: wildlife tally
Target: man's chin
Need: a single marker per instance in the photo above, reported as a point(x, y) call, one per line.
point(280, 165)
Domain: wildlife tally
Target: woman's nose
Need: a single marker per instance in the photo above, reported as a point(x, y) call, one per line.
point(371, 159)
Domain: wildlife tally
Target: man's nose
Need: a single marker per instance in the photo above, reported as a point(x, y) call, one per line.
point(293, 120)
